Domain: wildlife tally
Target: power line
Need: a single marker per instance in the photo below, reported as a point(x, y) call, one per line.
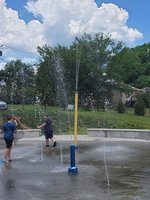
point(18, 50)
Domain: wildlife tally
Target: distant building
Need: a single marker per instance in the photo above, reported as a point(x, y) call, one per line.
point(127, 98)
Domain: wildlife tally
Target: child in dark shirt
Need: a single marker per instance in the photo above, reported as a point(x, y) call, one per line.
point(48, 131)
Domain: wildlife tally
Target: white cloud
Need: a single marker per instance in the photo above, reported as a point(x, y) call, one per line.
point(61, 21)
point(17, 36)
point(2, 65)
point(67, 18)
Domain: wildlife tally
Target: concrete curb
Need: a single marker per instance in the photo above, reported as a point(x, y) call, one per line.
point(82, 138)
point(119, 133)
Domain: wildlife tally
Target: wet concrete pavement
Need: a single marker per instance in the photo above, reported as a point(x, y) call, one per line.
point(108, 170)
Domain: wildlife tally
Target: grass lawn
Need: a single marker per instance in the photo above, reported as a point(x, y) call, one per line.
point(31, 116)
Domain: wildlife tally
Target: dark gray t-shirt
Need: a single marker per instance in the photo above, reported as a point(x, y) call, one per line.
point(48, 125)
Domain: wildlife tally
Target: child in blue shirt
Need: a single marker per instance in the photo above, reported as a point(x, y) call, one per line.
point(9, 128)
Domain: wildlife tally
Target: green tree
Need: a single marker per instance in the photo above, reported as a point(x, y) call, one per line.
point(95, 54)
point(91, 54)
point(120, 107)
point(142, 81)
point(131, 66)
point(139, 108)
point(45, 77)
point(125, 66)
point(19, 82)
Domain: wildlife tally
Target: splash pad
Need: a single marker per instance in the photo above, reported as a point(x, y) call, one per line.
point(30, 177)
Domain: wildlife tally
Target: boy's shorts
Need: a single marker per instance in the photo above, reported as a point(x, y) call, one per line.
point(49, 134)
point(8, 143)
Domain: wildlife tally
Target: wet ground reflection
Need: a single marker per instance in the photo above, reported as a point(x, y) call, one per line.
point(30, 177)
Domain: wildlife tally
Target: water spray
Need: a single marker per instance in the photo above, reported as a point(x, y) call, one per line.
point(106, 169)
point(41, 149)
point(61, 97)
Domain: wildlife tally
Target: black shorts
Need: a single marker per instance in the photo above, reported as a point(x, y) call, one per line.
point(8, 143)
point(49, 134)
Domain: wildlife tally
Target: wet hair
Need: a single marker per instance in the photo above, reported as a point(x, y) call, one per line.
point(45, 115)
point(9, 117)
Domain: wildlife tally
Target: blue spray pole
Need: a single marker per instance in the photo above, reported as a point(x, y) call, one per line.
point(72, 169)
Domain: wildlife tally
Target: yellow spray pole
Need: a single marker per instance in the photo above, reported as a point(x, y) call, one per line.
point(76, 97)
point(76, 118)
point(73, 169)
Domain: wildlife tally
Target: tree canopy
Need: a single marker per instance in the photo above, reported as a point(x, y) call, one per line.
point(91, 54)
point(17, 83)
point(87, 59)
point(131, 66)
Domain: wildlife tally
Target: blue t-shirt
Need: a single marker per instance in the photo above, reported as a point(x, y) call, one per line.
point(9, 128)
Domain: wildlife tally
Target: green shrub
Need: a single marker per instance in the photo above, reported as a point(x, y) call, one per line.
point(120, 107)
point(139, 108)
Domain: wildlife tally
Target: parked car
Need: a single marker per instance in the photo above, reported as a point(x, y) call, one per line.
point(3, 105)
point(131, 101)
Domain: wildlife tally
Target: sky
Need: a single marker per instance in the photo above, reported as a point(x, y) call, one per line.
point(26, 24)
